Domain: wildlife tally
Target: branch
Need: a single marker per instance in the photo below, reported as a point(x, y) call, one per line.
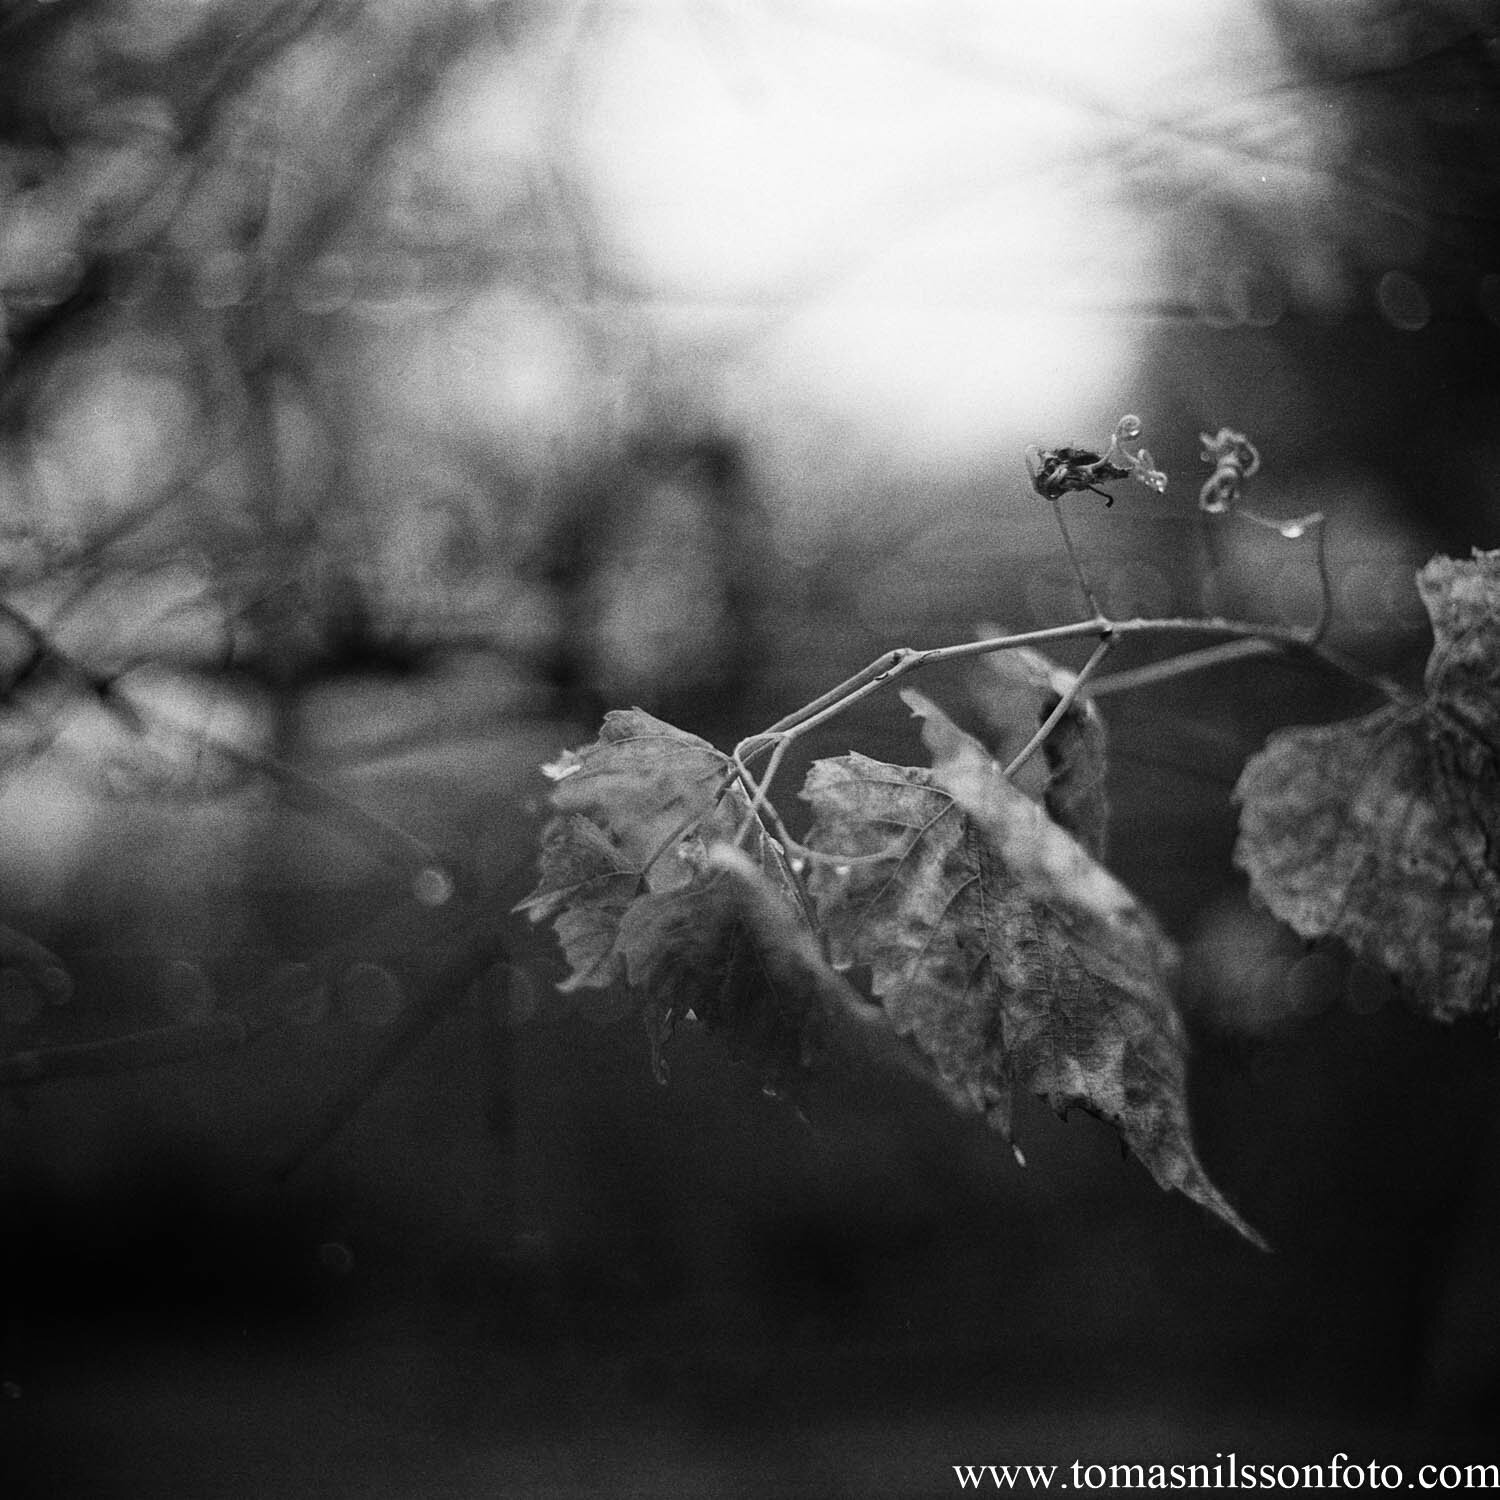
point(1065, 701)
point(903, 660)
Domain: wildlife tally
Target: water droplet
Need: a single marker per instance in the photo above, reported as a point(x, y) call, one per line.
point(369, 995)
point(1019, 1155)
point(185, 991)
point(432, 886)
point(842, 871)
point(798, 864)
point(1300, 526)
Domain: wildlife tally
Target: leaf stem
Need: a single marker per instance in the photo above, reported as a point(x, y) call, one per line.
point(1220, 655)
point(1064, 703)
point(1074, 560)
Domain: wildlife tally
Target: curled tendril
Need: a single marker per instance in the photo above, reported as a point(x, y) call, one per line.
point(1056, 472)
point(1235, 459)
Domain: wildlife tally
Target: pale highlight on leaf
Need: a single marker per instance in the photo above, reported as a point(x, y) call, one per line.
point(1015, 691)
point(1384, 831)
point(1008, 956)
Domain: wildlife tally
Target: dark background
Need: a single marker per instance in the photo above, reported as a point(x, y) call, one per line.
point(369, 451)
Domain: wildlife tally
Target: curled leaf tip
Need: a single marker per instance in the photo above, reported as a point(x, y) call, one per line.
point(565, 765)
point(940, 734)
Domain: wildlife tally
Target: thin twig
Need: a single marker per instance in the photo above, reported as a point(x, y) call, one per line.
point(1325, 584)
point(1064, 703)
point(1075, 561)
point(760, 791)
point(442, 975)
point(1220, 655)
point(899, 662)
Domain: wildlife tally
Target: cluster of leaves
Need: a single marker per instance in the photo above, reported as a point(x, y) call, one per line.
point(989, 941)
point(998, 949)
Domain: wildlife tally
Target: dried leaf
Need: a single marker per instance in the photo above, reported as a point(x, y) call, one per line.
point(1384, 831)
point(739, 952)
point(643, 885)
point(1009, 957)
point(1016, 691)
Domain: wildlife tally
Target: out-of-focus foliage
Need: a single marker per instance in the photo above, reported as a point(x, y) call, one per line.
point(317, 451)
point(1383, 831)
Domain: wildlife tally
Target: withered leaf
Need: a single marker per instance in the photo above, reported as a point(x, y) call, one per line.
point(1384, 831)
point(644, 886)
point(624, 805)
point(1006, 954)
point(1016, 691)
